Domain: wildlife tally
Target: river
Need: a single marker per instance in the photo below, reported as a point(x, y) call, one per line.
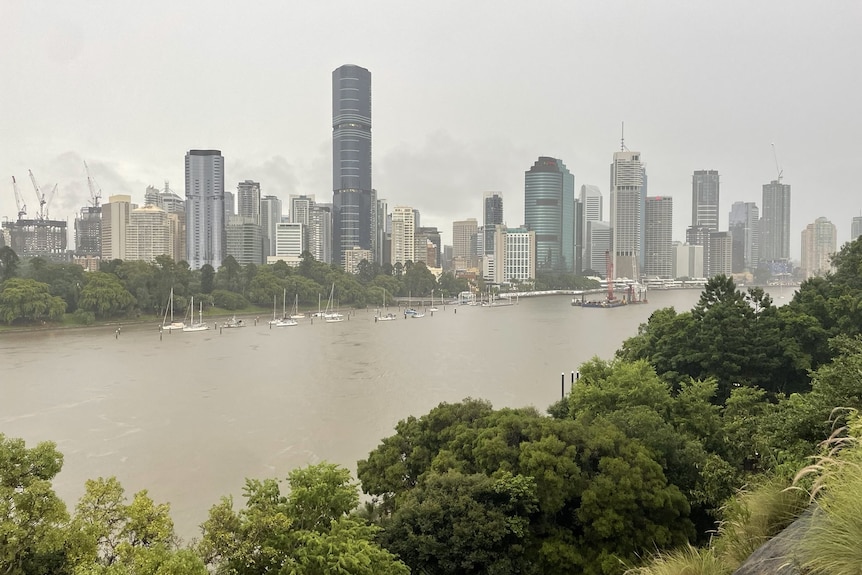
point(191, 415)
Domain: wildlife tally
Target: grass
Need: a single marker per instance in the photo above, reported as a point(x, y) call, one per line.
point(833, 544)
point(755, 515)
point(684, 561)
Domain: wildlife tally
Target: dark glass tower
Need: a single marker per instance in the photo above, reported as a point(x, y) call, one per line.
point(493, 215)
point(549, 210)
point(354, 204)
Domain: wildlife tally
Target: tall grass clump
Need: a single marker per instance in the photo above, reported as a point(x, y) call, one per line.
point(684, 561)
point(833, 544)
point(755, 515)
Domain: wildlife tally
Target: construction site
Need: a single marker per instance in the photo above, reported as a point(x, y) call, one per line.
point(38, 236)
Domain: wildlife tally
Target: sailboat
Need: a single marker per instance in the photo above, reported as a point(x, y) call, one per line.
point(274, 319)
point(200, 325)
point(433, 307)
point(170, 309)
point(332, 316)
point(388, 316)
point(285, 321)
point(296, 314)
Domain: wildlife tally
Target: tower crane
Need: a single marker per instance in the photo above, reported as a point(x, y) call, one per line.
point(39, 196)
point(95, 191)
point(19, 201)
point(777, 167)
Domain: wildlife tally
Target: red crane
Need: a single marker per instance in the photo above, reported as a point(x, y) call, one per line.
point(609, 270)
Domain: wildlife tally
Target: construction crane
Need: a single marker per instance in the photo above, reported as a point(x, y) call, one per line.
point(95, 191)
point(777, 167)
point(44, 202)
point(22, 207)
point(609, 270)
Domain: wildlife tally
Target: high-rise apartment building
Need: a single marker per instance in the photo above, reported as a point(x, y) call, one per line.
point(248, 200)
point(270, 215)
point(720, 254)
point(354, 201)
point(464, 243)
point(205, 208)
point(744, 226)
point(628, 188)
point(229, 205)
point(514, 257)
point(320, 234)
point(819, 243)
point(115, 224)
point(855, 227)
point(403, 235)
point(492, 214)
point(775, 222)
point(704, 199)
point(658, 244)
point(549, 210)
point(148, 234)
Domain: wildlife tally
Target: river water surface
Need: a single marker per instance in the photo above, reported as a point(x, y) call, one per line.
point(191, 415)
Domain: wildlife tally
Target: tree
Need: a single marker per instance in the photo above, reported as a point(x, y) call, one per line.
point(8, 263)
point(112, 536)
point(32, 517)
point(419, 280)
point(105, 296)
point(308, 531)
point(207, 278)
point(26, 300)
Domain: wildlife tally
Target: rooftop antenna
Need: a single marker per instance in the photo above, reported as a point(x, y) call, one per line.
point(623, 137)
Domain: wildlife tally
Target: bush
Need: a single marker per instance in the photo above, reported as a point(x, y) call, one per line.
point(84, 317)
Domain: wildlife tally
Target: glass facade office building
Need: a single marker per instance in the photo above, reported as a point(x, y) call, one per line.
point(549, 211)
point(354, 202)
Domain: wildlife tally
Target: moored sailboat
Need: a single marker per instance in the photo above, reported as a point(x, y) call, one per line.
point(200, 325)
point(168, 326)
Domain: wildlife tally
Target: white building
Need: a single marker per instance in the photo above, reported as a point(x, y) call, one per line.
point(598, 244)
point(687, 261)
point(514, 257)
point(115, 224)
point(148, 235)
point(403, 235)
point(627, 212)
point(288, 243)
point(819, 244)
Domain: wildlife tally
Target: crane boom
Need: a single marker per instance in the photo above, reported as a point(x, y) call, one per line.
point(19, 201)
point(95, 192)
point(48, 200)
point(39, 195)
point(777, 167)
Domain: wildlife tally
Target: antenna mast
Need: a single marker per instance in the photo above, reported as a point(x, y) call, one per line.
point(623, 137)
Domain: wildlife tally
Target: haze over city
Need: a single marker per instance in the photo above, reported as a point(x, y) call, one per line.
point(465, 98)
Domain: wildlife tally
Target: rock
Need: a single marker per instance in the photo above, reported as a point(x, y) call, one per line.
point(778, 555)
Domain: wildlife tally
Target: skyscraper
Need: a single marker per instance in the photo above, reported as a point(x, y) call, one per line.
point(591, 206)
point(855, 227)
point(658, 246)
point(464, 243)
point(248, 200)
point(744, 226)
point(205, 209)
point(704, 199)
point(403, 235)
point(115, 224)
point(354, 202)
point(775, 222)
point(270, 215)
point(819, 243)
point(549, 210)
point(492, 215)
point(627, 212)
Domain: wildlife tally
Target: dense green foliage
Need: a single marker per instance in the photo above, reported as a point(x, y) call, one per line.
point(649, 453)
point(26, 300)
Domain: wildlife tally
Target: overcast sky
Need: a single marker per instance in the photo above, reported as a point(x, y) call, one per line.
point(466, 96)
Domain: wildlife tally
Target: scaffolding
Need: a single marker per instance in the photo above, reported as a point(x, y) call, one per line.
point(38, 238)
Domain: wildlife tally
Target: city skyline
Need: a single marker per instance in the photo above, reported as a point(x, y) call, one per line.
point(440, 139)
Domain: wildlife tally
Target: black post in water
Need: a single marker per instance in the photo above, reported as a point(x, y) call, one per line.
point(563, 385)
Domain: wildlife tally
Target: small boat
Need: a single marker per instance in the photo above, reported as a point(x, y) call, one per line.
point(433, 307)
point(170, 309)
point(200, 325)
point(234, 322)
point(384, 317)
point(332, 316)
point(296, 314)
point(285, 320)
